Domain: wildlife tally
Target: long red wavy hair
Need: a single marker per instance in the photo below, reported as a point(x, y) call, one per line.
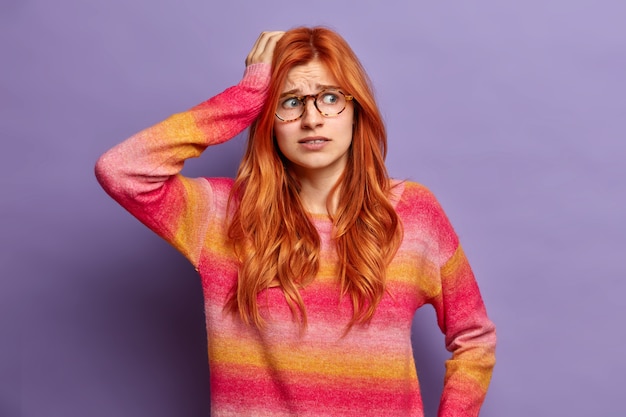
point(274, 239)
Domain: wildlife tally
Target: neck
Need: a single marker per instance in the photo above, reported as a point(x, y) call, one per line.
point(315, 192)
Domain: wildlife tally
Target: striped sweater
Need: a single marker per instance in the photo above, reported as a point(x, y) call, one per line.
point(280, 371)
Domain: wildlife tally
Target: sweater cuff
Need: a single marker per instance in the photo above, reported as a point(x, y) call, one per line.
point(256, 75)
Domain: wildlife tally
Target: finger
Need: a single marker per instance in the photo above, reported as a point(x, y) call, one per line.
point(252, 52)
point(263, 47)
point(270, 45)
point(257, 52)
point(258, 44)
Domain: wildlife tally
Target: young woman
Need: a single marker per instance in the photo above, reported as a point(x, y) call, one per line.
point(313, 261)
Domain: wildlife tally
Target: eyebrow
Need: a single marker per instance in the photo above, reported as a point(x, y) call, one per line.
point(319, 87)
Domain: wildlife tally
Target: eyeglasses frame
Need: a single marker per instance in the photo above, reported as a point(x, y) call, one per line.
point(305, 98)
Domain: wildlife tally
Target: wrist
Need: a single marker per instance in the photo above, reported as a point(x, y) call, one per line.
point(256, 75)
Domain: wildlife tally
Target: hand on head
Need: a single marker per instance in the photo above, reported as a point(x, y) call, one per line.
point(263, 48)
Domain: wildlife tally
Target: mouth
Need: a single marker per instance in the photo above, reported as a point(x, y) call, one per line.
point(313, 141)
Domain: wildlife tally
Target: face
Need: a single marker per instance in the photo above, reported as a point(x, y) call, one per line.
point(314, 144)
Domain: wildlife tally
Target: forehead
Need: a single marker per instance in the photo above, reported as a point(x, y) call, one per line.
point(308, 78)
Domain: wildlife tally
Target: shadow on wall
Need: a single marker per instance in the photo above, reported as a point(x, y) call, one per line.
point(10, 348)
point(161, 353)
point(121, 334)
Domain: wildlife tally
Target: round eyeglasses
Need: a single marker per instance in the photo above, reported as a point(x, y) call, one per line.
point(329, 103)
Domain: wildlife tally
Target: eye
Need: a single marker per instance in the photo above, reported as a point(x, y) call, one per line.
point(329, 97)
point(290, 103)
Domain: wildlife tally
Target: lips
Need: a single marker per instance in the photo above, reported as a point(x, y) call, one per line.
point(314, 143)
point(314, 140)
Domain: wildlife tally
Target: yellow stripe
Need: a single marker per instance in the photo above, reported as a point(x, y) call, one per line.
point(319, 361)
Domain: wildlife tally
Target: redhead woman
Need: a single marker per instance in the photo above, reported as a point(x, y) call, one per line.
point(312, 260)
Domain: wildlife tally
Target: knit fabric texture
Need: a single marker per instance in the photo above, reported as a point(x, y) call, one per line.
point(281, 370)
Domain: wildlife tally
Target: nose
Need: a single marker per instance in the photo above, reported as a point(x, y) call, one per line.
point(311, 117)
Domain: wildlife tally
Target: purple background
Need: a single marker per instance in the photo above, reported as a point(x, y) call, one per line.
point(513, 113)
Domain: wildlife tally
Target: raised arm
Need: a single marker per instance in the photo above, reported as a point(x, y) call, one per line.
point(143, 172)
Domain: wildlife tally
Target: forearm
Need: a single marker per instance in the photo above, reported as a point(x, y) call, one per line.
point(468, 372)
point(144, 162)
point(471, 338)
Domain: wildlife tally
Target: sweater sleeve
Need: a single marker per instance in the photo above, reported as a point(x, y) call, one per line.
point(469, 334)
point(143, 173)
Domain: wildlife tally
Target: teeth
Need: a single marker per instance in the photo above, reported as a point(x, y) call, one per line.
point(315, 141)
